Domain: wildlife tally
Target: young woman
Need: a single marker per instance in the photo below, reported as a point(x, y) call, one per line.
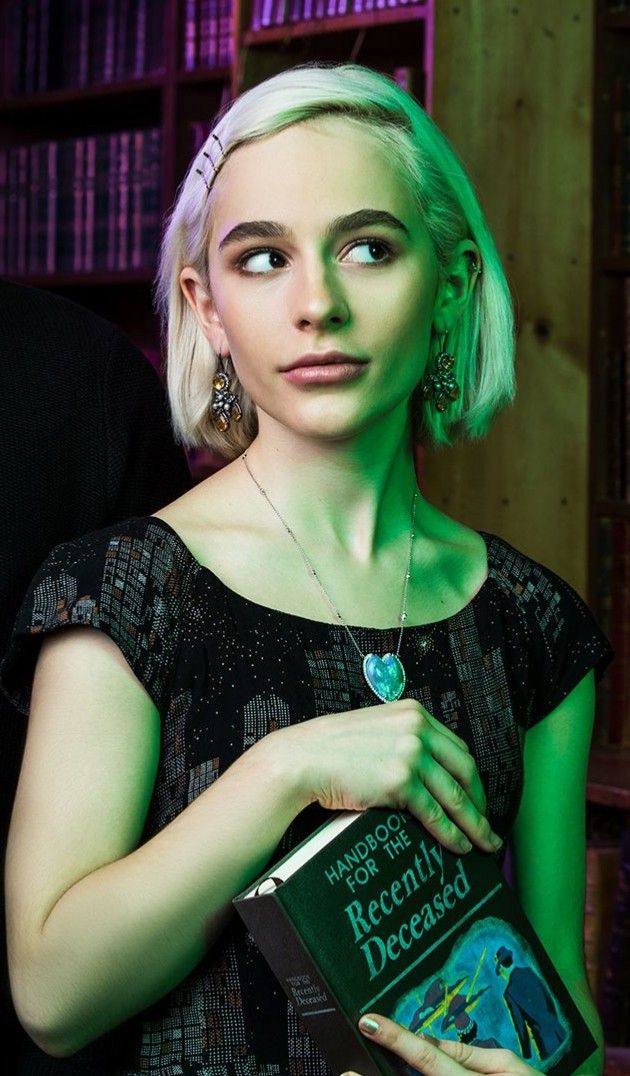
point(332, 295)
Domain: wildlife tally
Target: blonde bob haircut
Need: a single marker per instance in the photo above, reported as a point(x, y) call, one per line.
point(482, 341)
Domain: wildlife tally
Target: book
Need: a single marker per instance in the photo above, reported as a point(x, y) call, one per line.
point(372, 914)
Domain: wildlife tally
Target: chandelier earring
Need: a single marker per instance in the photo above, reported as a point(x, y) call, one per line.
point(224, 404)
point(439, 382)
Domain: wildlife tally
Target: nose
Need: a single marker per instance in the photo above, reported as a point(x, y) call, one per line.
point(319, 298)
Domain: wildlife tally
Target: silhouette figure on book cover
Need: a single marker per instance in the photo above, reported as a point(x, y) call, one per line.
point(501, 1002)
point(530, 1005)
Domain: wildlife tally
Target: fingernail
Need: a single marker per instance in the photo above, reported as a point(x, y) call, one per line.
point(366, 1023)
point(465, 845)
point(496, 842)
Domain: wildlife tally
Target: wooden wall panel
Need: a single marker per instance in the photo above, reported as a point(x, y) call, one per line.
point(512, 91)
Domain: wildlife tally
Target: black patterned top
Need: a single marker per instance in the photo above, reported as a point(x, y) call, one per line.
point(224, 671)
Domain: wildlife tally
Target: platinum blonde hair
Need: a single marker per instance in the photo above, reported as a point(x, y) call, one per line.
point(482, 341)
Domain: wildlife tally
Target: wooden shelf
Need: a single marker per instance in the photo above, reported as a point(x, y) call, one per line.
point(71, 95)
point(609, 777)
point(204, 74)
point(272, 34)
point(620, 21)
point(619, 509)
point(619, 264)
point(97, 279)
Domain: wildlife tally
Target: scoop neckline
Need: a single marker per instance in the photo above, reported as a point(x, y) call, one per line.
point(203, 568)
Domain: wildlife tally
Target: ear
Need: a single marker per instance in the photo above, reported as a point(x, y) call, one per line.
point(200, 301)
point(457, 284)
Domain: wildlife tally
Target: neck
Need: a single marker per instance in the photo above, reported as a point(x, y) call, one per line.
point(351, 498)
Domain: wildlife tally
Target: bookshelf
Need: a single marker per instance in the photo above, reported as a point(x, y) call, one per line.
point(609, 483)
point(189, 79)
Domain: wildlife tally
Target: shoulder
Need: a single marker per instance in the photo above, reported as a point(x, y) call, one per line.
point(534, 587)
point(130, 581)
point(563, 639)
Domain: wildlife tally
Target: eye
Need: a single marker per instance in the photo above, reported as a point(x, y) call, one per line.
point(254, 260)
point(372, 245)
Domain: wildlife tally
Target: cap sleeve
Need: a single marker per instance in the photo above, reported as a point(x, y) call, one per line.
point(568, 640)
point(125, 581)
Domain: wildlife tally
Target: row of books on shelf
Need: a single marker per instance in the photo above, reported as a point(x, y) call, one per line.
point(81, 204)
point(607, 933)
point(57, 44)
point(620, 167)
point(615, 398)
point(207, 34)
point(613, 609)
point(283, 12)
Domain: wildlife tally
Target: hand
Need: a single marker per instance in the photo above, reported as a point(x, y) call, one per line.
point(440, 1057)
point(392, 755)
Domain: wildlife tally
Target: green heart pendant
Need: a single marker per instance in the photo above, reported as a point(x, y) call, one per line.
point(386, 676)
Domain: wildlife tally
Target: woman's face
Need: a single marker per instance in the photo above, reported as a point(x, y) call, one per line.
point(337, 259)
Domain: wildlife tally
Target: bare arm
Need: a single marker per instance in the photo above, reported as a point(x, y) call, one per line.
point(549, 843)
point(98, 928)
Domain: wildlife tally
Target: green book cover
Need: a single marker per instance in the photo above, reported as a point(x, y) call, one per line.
point(371, 913)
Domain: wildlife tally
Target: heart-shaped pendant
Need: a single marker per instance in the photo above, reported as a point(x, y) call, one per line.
point(386, 676)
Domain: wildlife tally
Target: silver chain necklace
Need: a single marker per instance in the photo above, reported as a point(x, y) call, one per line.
point(385, 676)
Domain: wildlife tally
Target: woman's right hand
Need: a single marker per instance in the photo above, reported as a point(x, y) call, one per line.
point(393, 755)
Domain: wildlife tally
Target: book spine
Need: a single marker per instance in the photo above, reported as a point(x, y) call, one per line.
point(84, 44)
point(33, 209)
point(22, 209)
point(319, 1011)
point(189, 35)
point(615, 992)
point(266, 12)
point(4, 198)
point(602, 864)
point(112, 201)
point(30, 56)
point(97, 44)
point(154, 51)
point(120, 50)
point(11, 207)
point(90, 194)
point(65, 202)
point(101, 202)
point(110, 41)
point(137, 158)
point(151, 215)
point(296, 11)
point(123, 201)
point(79, 209)
point(604, 607)
point(50, 160)
point(42, 82)
point(141, 39)
point(619, 724)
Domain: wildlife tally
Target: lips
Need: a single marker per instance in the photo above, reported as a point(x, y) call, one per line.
point(327, 358)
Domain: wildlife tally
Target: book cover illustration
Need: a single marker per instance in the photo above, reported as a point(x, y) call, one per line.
point(372, 914)
point(490, 992)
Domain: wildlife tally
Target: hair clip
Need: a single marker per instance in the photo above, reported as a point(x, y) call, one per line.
point(214, 167)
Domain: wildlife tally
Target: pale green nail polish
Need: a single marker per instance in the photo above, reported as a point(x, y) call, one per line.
point(366, 1023)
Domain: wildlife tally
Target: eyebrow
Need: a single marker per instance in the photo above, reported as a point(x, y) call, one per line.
point(270, 229)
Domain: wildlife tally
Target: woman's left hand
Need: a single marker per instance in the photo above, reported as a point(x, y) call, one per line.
point(441, 1057)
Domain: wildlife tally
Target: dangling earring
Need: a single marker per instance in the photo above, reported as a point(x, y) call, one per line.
point(440, 383)
point(224, 405)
